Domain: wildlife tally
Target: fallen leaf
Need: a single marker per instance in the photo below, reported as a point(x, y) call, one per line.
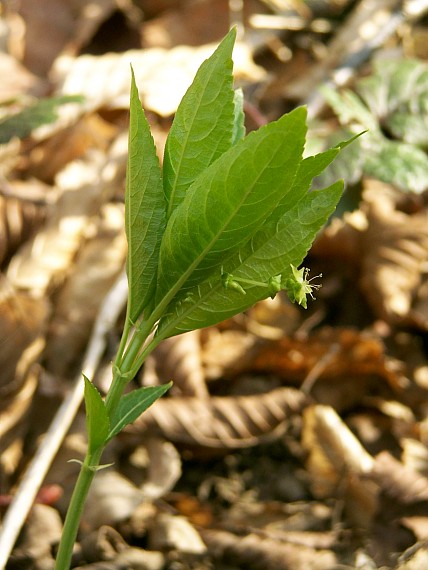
point(221, 422)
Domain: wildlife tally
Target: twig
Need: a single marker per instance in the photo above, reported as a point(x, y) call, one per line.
point(42, 460)
point(347, 67)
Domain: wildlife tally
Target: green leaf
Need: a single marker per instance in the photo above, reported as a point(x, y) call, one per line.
point(239, 117)
point(203, 124)
point(97, 422)
point(268, 255)
point(229, 202)
point(400, 164)
point(41, 113)
point(132, 405)
point(350, 108)
point(144, 209)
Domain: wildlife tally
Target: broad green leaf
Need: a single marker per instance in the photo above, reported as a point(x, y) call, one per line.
point(239, 117)
point(229, 202)
point(350, 108)
point(401, 164)
point(411, 128)
point(203, 124)
point(266, 256)
point(349, 163)
point(132, 405)
point(144, 209)
point(393, 100)
point(41, 113)
point(97, 422)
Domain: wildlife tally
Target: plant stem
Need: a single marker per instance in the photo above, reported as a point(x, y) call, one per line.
point(75, 509)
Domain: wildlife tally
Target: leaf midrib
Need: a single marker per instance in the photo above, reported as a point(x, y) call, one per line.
point(172, 292)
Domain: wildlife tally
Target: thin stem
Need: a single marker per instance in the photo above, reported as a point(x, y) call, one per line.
point(125, 335)
point(75, 509)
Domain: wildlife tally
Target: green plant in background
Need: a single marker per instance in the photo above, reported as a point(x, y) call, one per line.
point(223, 225)
point(392, 104)
point(42, 112)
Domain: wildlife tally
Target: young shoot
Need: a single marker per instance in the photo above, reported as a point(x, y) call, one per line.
point(223, 224)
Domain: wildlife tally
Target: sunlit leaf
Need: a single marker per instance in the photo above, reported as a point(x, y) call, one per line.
point(203, 125)
point(144, 209)
point(132, 405)
point(97, 422)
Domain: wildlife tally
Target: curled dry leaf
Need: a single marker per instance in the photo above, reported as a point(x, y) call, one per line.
point(16, 79)
point(103, 543)
point(22, 321)
point(334, 358)
point(44, 521)
point(61, 144)
point(402, 483)
point(259, 553)
point(414, 558)
point(179, 358)
point(222, 422)
point(97, 265)
point(170, 532)
point(396, 252)
point(338, 462)
point(391, 249)
point(225, 351)
point(84, 185)
point(18, 220)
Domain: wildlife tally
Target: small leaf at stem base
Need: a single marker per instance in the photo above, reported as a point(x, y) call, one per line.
point(132, 405)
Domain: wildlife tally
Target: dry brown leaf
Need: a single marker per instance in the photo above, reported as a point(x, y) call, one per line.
point(84, 185)
point(391, 249)
point(22, 322)
point(221, 422)
point(104, 81)
point(394, 259)
point(44, 521)
point(258, 553)
point(338, 365)
point(103, 543)
point(171, 532)
point(66, 24)
point(97, 265)
point(225, 351)
point(357, 353)
point(194, 23)
point(16, 79)
point(418, 525)
point(338, 463)
point(60, 146)
point(397, 481)
point(18, 220)
point(414, 558)
point(179, 359)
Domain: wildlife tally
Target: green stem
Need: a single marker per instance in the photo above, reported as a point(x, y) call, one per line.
point(129, 359)
point(75, 509)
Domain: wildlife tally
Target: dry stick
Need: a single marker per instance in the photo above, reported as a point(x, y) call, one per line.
point(42, 460)
point(413, 10)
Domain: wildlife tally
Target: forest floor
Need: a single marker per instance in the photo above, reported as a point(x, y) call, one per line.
point(292, 439)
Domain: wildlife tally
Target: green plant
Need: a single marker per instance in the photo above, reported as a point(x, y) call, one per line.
point(42, 112)
point(392, 104)
point(223, 226)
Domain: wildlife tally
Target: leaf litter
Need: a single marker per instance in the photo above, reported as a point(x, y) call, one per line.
point(293, 440)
